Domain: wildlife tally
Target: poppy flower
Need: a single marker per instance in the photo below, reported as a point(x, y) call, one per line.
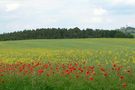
point(40, 71)
point(124, 85)
point(121, 77)
point(87, 73)
point(91, 78)
point(102, 69)
point(67, 72)
point(105, 74)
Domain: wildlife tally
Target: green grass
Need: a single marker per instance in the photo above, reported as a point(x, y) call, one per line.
point(66, 49)
point(101, 43)
point(95, 51)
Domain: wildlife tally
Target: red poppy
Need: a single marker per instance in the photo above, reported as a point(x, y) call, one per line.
point(121, 77)
point(102, 69)
point(76, 64)
point(48, 74)
point(40, 71)
point(91, 67)
point(46, 66)
point(87, 73)
point(114, 65)
point(124, 85)
point(105, 74)
point(91, 78)
point(81, 70)
point(67, 72)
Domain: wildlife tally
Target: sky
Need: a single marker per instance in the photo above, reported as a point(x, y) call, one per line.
point(16, 15)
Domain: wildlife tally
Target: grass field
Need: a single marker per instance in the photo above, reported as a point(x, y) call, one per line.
point(68, 64)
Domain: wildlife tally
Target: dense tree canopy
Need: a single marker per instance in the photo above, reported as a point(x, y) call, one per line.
point(57, 33)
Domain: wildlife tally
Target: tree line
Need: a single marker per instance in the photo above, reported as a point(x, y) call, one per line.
point(61, 33)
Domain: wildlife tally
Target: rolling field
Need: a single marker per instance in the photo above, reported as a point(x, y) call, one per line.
point(68, 64)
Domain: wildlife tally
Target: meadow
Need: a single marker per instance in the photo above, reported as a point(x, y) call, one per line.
point(68, 64)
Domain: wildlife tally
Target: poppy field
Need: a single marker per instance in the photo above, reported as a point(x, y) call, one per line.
point(70, 64)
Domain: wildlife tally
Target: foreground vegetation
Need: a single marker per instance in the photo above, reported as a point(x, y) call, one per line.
point(68, 64)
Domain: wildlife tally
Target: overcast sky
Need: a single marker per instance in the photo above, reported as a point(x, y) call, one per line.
point(30, 14)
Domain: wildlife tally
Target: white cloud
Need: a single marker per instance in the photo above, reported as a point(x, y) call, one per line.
point(60, 13)
point(9, 5)
point(97, 19)
point(99, 11)
point(95, 15)
point(12, 6)
point(125, 2)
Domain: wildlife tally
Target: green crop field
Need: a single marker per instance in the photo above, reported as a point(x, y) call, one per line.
point(97, 43)
point(68, 64)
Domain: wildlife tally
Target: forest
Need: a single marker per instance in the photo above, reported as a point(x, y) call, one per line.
point(62, 33)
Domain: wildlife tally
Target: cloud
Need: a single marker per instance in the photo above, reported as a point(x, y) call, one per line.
point(8, 5)
point(125, 2)
point(25, 14)
point(99, 11)
point(97, 19)
point(12, 6)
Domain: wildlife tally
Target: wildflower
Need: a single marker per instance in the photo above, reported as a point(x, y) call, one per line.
point(40, 71)
point(31, 69)
point(105, 74)
point(91, 67)
point(63, 66)
point(67, 72)
point(81, 70)
point(76, 64)
point(48, 74)
point(124, 85)
point(114, 65)
point(87, 73)
point(118, 69)
point(102, 69)
point(37, 65)
point(46, 66)
point(91, 78)
point(57, 68)
point(121, 77)
point(22, 68)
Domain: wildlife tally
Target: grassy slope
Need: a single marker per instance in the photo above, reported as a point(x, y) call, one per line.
point(93, 50)
point(66, 49)
point(70, 44)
